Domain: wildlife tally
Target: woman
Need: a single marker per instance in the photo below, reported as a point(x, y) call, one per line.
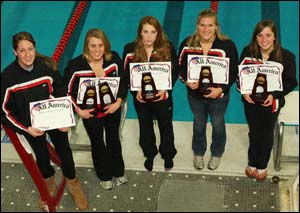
point(97, 60)
point(152, 45)
point(208, 41)
point(32, 77)
point(264, 47)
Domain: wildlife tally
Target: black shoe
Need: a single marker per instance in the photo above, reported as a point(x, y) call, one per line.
point(169, 164)
point(148, 164)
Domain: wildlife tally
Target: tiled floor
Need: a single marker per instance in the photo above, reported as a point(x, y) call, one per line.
point(233, 161)
point(146, 192)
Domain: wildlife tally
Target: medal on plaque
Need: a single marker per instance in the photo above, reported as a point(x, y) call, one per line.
point(90, 98)
point(106, 95)
point(259, 91)
point(148, 87)
point(205, 80)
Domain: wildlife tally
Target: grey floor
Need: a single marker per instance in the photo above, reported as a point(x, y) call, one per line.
point(227, 186)
point(147, 192)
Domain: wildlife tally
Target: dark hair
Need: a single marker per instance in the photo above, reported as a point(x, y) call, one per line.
point(27, 36)
point(161, 44)
point(254, 47)
point(21, 36)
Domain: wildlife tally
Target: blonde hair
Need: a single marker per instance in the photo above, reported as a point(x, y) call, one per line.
point(194, 40)
point(97, 33)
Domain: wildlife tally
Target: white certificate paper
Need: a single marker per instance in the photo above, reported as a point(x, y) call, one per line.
point(52, 113)
point(219, 68)
point(113, 82)
point(160, 71)
point(247, 75)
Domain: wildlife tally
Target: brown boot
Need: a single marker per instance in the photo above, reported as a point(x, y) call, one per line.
point(51, 185)
point(77, 193)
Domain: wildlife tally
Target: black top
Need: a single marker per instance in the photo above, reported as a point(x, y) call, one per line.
point(19, 87)
point(220, 48)
point(289, 79)
point(128, 55)
point(79, 67)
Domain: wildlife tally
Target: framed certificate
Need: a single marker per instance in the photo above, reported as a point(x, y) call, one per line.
point(160, 71)
point(248, 75)
point(218, 66)
point(52, 113)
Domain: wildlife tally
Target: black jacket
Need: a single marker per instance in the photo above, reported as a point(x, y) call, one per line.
point(220, 48)
point(128, 57)
point(19, 87)
point(289, 79)
point(79, 67)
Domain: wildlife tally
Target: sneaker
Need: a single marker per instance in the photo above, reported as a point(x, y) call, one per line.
point(261, 174)
point(168, 165)
point(107, 185)
point(121, 180)
point(148, 164)
point(214, 163)
point(251, 171)
point(198, 162)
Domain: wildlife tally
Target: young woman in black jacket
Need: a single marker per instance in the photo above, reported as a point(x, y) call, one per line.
point(152, 45)
point(265, 48)
point(98, 60)
point(34, 77)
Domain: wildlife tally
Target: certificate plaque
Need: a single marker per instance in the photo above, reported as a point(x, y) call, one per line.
point(52, 113)
point(90, 99)
point(259, 91)
point(148, 87)
point(205, 80)
point(106, 95)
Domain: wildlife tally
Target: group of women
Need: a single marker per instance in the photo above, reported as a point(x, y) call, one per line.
point(32, 77)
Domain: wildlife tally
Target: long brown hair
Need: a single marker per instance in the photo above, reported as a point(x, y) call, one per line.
point(254, 48)
point(161, 45)
point(27, 36)
point(194, 40)
point(97, 33)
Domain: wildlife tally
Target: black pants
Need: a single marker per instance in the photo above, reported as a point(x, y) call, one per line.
point(261, 122)
point(62, 148)
point(163, 111)
point(107, 157)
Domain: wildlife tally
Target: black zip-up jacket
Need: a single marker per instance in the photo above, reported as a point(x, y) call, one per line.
point(220, 48)
point(289, 80)
point(79, 67)
point(19, 87)
point(128, 54)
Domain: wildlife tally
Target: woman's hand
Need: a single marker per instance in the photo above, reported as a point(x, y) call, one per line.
point(64, 129)
point(139, 97)
point(160, 95)
point(268, 101)
point(192, 85)
point(214, 92)
point(34, 132)
point(248, 99)
point(110, 109)
point(85, 113)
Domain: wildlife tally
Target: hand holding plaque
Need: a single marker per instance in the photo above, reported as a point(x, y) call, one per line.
point(106, 95)
point(148, 87)
point(90, 98)
point(259, 91)
point(205, 80)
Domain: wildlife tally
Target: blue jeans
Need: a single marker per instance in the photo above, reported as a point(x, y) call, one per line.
point(216, 108)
